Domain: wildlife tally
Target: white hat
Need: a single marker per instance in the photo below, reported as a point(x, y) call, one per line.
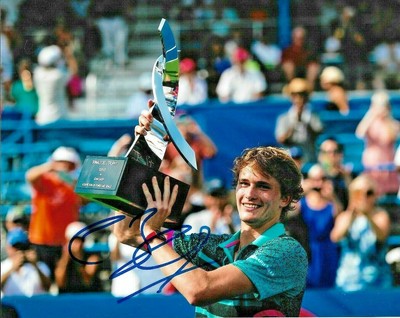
point(393, 256)
point(66, 154)
point(74, 228)
point(50, 55)
point(332, 74)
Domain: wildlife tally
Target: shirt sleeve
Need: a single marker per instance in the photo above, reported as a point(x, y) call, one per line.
point(278, 267)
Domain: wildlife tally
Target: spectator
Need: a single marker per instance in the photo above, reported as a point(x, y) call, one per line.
point(134, 279)
point(120, 146)
point(180, 170)
point(213, 62)
point(318, 209)
point(193, 89)
point(362, 231)
point(298, 59)
point(297, 155)
point(259, 263)
point(397, 164)
point(332, 81)
point(138, 101)
point(330, 157)
point(219, 214)
point(387, 62)
point(54, 203)
point(12, 9)
point(6, 59)
point(239, 84)
point(269, 55)
point(380, 131)
point(15, 218)
point(393, 259)
point(21, 272)
point(50, 80)
point(267, 52)
point(110, 18)
point(23, 91)
point(77, 271)
point(352, 47)
point(299, 126)
point(200, 142)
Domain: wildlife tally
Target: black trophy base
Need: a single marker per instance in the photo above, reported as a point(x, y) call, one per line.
point(116, 182)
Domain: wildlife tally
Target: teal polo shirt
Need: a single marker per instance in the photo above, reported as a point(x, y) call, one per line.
point(275, 263)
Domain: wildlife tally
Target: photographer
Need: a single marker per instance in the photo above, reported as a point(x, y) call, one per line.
point(21, 273)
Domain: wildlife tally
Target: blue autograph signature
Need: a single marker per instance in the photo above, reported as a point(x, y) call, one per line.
point(139, 257)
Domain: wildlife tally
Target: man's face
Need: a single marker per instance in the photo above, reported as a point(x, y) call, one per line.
point(329, 153)
point(64, 166)
point(258, 199)
point(299, 99)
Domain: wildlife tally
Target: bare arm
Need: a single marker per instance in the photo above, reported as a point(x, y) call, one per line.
point(380, 223)
point(198, 286)
point(120, 146)
point(34, 173)
point(60, 272)
point(342, 224)
point(31, 257)
point(17, 262)
point(339, 97)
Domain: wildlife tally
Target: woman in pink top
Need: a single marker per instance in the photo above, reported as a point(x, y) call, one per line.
point(380, 131)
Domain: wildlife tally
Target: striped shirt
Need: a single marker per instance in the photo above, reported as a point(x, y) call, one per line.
point(275, 263)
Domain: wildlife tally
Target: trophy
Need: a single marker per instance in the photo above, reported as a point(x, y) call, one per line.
point(116, 182)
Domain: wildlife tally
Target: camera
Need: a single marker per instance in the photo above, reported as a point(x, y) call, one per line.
point(22, 246)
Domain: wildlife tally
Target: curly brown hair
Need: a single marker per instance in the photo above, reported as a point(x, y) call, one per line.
point(276, 163)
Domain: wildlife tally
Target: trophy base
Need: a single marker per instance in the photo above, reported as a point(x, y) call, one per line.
point(116, 182)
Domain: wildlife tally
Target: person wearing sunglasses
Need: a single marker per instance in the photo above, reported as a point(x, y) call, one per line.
point(330, 157)
point(22, 274)
point(361, 232)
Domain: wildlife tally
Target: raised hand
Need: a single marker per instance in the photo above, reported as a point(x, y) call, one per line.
point(159, 207)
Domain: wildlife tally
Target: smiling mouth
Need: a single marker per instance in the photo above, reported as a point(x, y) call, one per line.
point(250, 205)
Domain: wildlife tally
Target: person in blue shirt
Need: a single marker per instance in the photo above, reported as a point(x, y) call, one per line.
point(258, 270)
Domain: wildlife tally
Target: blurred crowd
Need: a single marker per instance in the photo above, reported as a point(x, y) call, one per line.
point(339, 221)
point(360, 38)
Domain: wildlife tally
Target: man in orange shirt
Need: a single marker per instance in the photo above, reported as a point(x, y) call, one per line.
point(54, 203)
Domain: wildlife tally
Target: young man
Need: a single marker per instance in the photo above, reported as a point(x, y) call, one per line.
point(258, 270)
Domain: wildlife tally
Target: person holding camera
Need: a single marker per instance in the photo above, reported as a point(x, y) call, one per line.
point(21, 272)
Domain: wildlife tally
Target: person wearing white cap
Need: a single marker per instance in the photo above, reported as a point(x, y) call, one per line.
point(332, 82)
point(51, 78)
point(54, 203)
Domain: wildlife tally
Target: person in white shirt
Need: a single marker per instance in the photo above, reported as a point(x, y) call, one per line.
point(50, 79)
point(239, 84)
point(193, 89)
point(21, 273)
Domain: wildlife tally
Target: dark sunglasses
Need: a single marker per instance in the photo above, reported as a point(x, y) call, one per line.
point(22, 246)
point(302, 94)
point(370, 193)
point(335, 151)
